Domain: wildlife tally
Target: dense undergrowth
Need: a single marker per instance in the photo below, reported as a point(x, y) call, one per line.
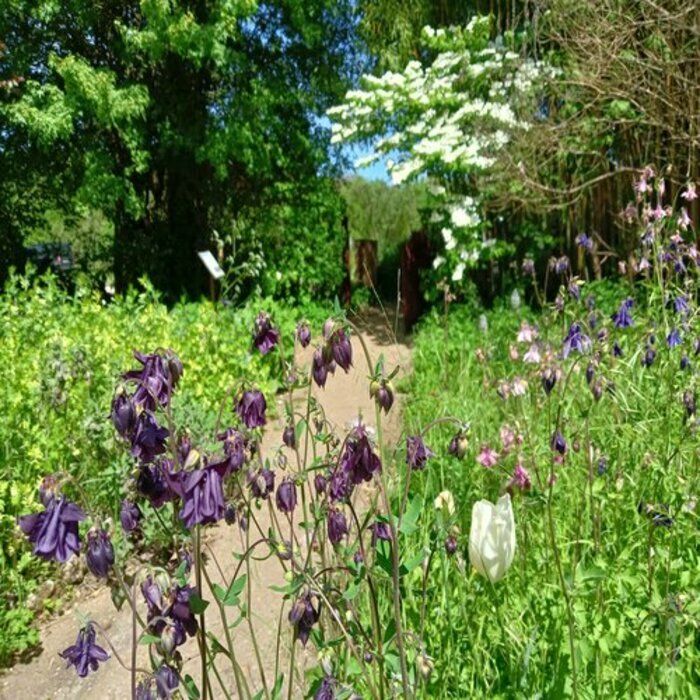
point(60, 356)
point(601, 457)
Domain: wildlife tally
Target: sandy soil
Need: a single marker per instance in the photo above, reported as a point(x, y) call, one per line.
point(45, 676)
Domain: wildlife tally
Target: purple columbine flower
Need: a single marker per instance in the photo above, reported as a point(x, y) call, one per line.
point(617, 350)
point(155, 380)
point(100, 553)
point(320, 484)
point(129, 515)
point(575, 340)
point(251, 409)
point(167, 681)
point(358, 463)
point(152, 483)
point(383, 394)
point(337, 526)
point(202, 494)
point(148, 439)
point(261, 482)
point(673, 339)
point(341, 348)
point(649, 357)
point(303, 334)
point(265, 336)
point(54, 532)
point(549, 379)
point(234, 451)
point(685, 362)
point(584, 241)
point(381, 531)
point(521, 477)
point(319, 369)
point(622, 318)
point(123, 414)
point(286, 497)
point(558, 443)
point(289, 437)
point(417, 452)
point(590, 372)
point(560, 265)
point(574, 290)
point(303, 616)
point(326, 691)
point(451, 545)
point(86, 655)
point(680, 304)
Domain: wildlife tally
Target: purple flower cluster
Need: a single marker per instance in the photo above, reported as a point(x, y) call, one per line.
point(336, 351)
point(304, 614)
point(265, 335)
point(358, 463)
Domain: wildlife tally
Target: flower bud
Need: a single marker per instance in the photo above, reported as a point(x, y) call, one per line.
point(459, 445)
point(451, 545)
point(129, 515)
point(337, 526)
point(303, 334)
point(286, 496)
point(289, 437)
point(230, 514)
point(100, 553)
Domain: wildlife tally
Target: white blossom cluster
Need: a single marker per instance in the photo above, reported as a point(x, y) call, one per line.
point(445, 121)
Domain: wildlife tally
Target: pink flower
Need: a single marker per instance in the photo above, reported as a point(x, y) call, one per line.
point(487, 457)
point(684, 220)
point(521, 477)
point(690, 192)
point(518, 386)
point(513, 353)
point(507, 438)
point(527, 333)
point(532, 356)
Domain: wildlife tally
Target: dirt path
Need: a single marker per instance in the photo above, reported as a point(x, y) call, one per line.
point(45, 676)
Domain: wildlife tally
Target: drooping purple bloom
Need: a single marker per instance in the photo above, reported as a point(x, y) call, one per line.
point(617, 350)
point(450, 545)
point(384, 396)
point(685, 362)
point(123, 414)
point(261, 482)
point(230, 514)
point(129, 515)
point(575, 340)
point(680, 304)
point(649, 357)
point(303, 334)
point(358, 463)
point(286, 496)
point(155, 380)
point(289, 437)
point(149, 438)
point(549, 379)
point(458, 445)
point(558, 443)
point(86, 655)
point(100, 553)
point(54, 532)
point(381, 531)
point(417, 452)
point(326, 691)
point(560, 265)
point(265, 336)
point(673, 339)
point(337, 526)
point(151, 482)
point(303, 616)
point(341, 348)
point(167, 681)
point(251, 409)
point(202, 494)
point(584, 241)
point(574, 290)
point(622, 318)
point(319, 370)
point(320, 484)
point(234, 450)
point(590, 372)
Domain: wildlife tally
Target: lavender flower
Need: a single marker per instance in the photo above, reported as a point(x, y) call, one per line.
point(337, 526)
point(100, 553)
point(381, 531)
point(451, 545)
point(167, 681)
point(649, 357)
point(286, 496)
point(303, 334)
point(358, 463)
point(575, 340)
point(251, 409)
point(549, 378)
point(54, 532)
point(326, 691)
point(417, 453)
point(85, 654)
point(584, 241)
point(123, 414)
point(622, 317)
point(320, 484)
point(383, 393)
point(265, 336)
point(129, 515)
point(680, 305)
point(673, 339)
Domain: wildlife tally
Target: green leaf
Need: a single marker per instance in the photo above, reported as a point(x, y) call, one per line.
point(409, 522)
point(197, 604)
point(230, 595)
point(149, 639)
point(191, 688)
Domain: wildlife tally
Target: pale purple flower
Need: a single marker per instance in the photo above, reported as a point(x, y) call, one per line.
point(487, 457)
point(521, 477)
point(690, 192)
point(575, 340)
point(532, 356)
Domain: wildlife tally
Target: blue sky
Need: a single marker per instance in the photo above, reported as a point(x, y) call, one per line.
point(376, 171)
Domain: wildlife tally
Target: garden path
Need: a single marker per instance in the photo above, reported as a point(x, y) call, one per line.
point(45, 676)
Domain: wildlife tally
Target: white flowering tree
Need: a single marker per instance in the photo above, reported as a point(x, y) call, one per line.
point(446, 119)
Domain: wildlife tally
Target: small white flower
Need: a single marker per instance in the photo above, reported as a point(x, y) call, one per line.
point(445, 501)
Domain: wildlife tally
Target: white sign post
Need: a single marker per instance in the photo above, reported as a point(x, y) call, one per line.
point(214, 270)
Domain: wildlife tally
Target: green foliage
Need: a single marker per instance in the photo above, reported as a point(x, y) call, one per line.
point(633, 586)
point(60, 359)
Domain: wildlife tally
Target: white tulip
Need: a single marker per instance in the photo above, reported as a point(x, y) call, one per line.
point(492, 538)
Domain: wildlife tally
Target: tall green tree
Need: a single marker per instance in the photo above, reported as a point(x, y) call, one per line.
point(170, 115)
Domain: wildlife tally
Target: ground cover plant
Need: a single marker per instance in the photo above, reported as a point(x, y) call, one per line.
point(60, 355)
